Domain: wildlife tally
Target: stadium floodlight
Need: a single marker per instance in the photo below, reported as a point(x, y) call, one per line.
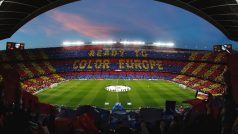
point(224, 48)
point(163, 44)
point(110, 42)
point(1, 2)
point(132, 42)
point(75, 43)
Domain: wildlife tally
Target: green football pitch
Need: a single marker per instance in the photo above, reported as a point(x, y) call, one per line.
point(143, 93)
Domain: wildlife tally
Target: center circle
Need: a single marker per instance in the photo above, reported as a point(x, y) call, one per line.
point(118, 88)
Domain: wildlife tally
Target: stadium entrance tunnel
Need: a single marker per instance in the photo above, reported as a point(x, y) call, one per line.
point(118, 88)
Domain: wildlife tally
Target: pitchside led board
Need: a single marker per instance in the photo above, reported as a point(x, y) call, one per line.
point(11, 46)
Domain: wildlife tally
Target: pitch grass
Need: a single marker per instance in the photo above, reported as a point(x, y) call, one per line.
point(144, 93)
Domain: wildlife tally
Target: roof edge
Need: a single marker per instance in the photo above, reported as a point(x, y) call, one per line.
point(199, 13)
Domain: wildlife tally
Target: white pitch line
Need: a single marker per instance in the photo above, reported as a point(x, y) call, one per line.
point(117, 97)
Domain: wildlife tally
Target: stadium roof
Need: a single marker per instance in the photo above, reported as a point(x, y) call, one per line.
point(221, 13)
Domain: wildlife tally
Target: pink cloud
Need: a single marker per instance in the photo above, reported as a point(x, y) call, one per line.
point(77, 23)
point(50, 31)
point(148, 25)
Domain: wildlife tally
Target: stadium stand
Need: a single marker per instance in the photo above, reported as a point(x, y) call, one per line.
point(35, 84)
point(200, 70)
point(42, 68)
point(200, 84)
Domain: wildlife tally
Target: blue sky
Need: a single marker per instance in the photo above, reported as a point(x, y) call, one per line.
point(144, 20)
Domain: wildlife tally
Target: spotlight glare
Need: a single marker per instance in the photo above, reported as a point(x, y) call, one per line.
point(132, 42)
point(69, 43)
point(1, 2)
point(163, 44)
point(110, 42)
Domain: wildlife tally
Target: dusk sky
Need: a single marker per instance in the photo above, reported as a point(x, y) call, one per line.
point(144, 20)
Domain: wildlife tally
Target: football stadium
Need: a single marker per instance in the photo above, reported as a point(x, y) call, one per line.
point(116, 86)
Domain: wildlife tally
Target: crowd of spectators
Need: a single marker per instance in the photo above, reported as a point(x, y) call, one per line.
point(117, 75)
point(33, 69)
point(200, 84)
point(135, 65)
point(207, 71)
point(93, 120)
point(36, 84)
point(82, 51)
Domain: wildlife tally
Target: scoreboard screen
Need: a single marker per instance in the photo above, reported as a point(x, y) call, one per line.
point(10, 46)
